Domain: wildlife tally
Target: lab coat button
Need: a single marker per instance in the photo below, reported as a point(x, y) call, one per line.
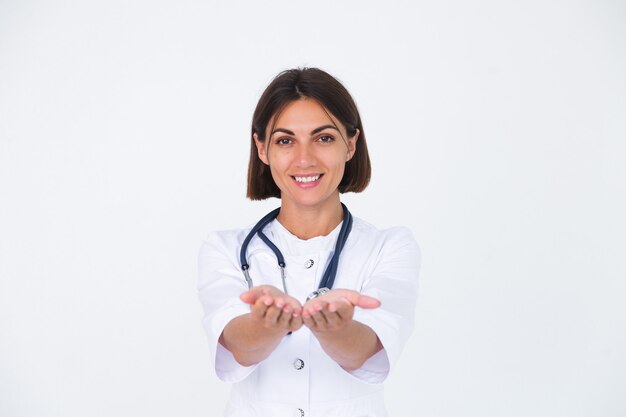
point(298, 364)
point(299, 413)
point(309, 263)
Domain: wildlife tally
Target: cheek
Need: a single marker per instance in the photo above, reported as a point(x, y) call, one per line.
point(279, 160)
point(338, 162)
point(341, 169)
point(279, 163)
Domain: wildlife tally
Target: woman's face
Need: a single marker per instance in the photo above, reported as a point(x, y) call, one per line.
point(307, 154)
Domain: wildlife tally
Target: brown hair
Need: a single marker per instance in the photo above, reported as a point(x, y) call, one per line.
point(313, 83)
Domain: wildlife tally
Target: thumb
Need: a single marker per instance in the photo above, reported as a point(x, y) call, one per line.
point(359, 300)
point(250, 296)
point(367, 302)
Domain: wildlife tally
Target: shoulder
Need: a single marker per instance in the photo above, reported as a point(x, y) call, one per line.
point(227, 237)
point(394, 236)
point(393, 245)
point(223, 241)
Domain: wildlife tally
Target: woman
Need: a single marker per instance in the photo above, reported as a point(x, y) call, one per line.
point(307, 311)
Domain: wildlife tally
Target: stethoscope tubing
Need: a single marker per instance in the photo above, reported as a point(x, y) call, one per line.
point(330, 273)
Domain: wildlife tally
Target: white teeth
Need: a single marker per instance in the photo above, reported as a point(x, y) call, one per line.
point(307, 179)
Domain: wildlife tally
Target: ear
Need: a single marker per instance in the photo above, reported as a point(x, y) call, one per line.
point(352, 145)
point(261, 150)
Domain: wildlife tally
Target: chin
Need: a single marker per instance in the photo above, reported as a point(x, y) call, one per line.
point(310, 202)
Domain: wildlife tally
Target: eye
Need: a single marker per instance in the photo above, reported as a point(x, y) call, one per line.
point(326, 139)
point(283, 141)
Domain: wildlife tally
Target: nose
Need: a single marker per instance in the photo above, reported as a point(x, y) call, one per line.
point(305, 156)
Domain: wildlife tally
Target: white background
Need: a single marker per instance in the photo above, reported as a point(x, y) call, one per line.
point(497, 131)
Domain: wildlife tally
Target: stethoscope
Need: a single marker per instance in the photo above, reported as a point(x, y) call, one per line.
point(331, 270)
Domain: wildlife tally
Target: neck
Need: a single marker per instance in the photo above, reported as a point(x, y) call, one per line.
point(309, 222)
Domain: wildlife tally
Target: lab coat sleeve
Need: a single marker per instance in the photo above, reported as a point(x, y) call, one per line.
point(393, 281)
point(220, 282)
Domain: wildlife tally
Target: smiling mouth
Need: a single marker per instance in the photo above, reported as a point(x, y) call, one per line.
point(305, 180)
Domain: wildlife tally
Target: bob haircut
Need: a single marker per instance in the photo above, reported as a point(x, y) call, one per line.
point(296, 84)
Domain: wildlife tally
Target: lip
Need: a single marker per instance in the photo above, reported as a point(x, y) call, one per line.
point(306, 185)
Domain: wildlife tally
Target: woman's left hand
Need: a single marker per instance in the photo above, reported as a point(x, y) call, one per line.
point(333, 310)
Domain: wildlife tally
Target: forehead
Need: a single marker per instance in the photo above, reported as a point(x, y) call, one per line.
point(304, 113)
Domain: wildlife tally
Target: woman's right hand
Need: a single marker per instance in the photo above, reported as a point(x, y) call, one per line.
point(273, 309)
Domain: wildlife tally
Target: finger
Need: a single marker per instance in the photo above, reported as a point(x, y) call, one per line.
point(333, 320)
point(296, 312)
point(320, 320)
point(343, 308)
point(279, 302)
point(295, 323)
point(285, 317)
point(336, 305)
point(359, 300)
point(287, 311)
point(271, 315)
point(295, 305)
point(267, 300)
point(313, 306)
point(258, 309)
point(271, 312)
point(250, 296)
point(308, 321)
point(367, 302)
point(269, 291)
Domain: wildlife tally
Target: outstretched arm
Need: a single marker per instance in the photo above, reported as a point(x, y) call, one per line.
point(252, 337)
point(329, 317)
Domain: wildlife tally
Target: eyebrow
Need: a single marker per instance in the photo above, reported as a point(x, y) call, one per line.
point(314, 131)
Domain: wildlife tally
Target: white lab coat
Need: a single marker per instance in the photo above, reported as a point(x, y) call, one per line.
point(299, 378)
